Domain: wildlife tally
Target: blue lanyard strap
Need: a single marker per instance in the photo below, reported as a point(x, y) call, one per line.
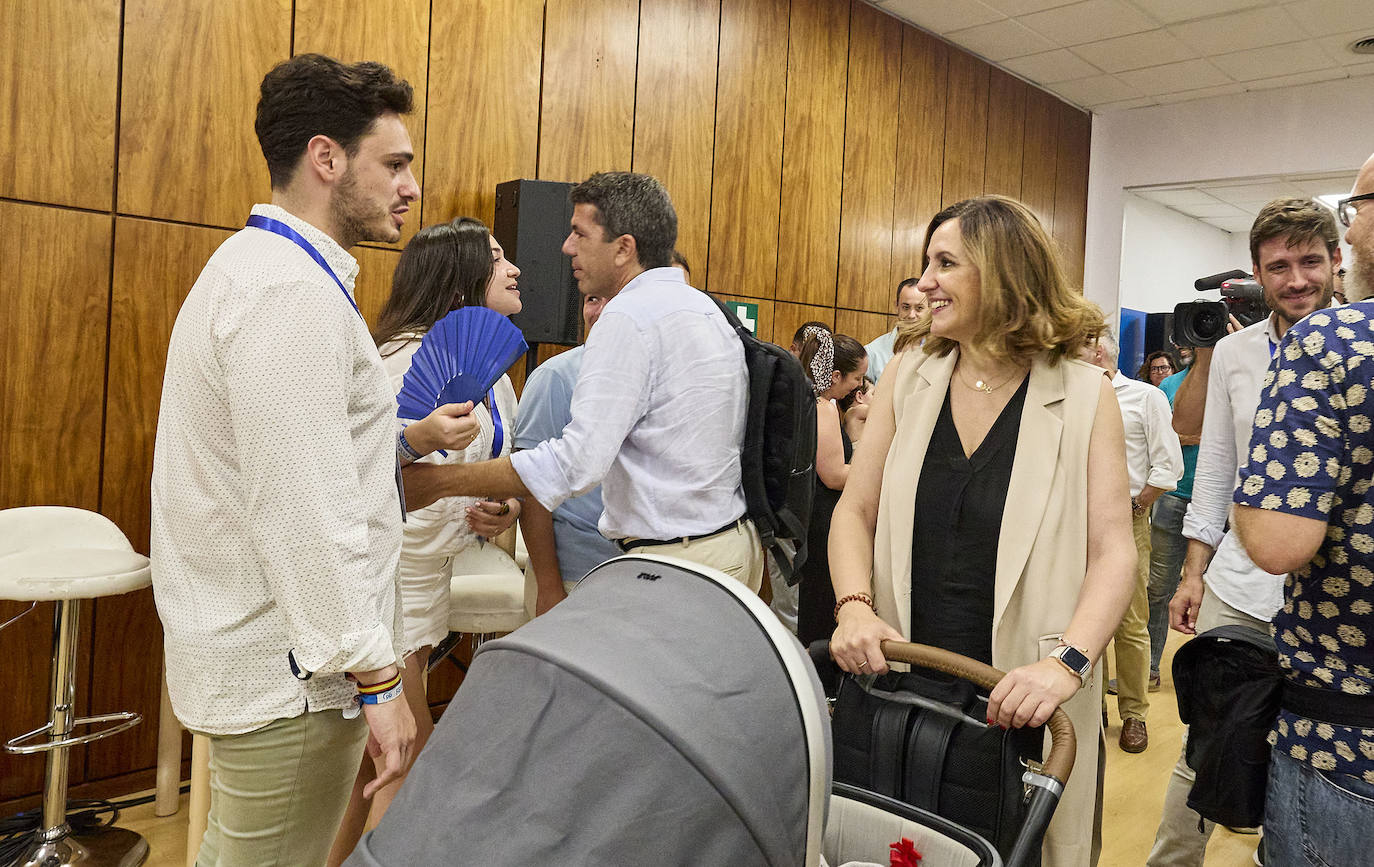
point(277, 227)
point(498, 435)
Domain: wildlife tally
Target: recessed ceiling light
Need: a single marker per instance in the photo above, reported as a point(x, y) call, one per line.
point(1363, 46)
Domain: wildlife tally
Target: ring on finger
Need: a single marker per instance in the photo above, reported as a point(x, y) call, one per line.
point(863, 664)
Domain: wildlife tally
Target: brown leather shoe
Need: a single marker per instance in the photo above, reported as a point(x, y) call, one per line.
point(1134, 738)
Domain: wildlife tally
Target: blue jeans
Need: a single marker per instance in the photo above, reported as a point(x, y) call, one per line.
point(1314, 818)
point(1167, 549)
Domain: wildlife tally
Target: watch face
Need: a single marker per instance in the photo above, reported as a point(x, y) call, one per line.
point(1074, 658)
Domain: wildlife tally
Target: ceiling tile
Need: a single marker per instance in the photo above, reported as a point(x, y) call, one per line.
point(1201, 93)
point(1178, 199)
point(1312, 77)
point(1052, 66)
point(1237, 31)
point(1174, 77)
point(1001, 40)
point(1151, 48)
point(1215, 209)
point(942, 16)
point(1273, 61)
point(1088, 21)
point(1125, 104)
point(1025, 7)
point(1337, 47)
point(1324, 17)
point(1174, 11)
point(1097, 90)
point(1253, 192)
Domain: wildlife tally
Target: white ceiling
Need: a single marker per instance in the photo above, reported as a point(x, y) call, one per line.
point(1106, 55)
point(1231, 205)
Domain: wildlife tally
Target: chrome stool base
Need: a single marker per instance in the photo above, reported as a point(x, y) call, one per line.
point(113, 847)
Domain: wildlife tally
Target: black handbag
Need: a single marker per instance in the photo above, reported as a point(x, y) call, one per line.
point(923, 739)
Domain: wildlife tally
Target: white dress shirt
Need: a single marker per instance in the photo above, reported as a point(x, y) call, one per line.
point(880, 352)
point(658, 412)
point(1233, 392)
point(276, 525)
point(1153, 455)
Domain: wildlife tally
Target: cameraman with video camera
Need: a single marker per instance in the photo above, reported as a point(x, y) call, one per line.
point(1295, 249)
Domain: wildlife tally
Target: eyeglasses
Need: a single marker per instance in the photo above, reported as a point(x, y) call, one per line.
point(1160, 368)
point(1346, 208)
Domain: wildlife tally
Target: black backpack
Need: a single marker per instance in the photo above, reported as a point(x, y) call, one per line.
point(778, 455)
point(1228, 683)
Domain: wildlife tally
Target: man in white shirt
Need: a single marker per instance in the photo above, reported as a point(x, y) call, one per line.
point(1154, 461)
point(1294, 245)
point(276, 520)
point(659, 407)
point(911, 303)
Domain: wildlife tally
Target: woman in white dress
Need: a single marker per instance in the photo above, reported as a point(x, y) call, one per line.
point(444, 267)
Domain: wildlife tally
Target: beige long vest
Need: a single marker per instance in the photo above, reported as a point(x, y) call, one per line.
point(1041, 553)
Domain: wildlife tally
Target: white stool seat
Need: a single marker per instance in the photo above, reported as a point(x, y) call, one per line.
point(487, 603)
point(47, 575)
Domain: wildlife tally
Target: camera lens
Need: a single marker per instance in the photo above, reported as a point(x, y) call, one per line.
point(1209, 322)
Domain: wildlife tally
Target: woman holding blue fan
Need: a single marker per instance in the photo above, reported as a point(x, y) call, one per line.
point(446, 267)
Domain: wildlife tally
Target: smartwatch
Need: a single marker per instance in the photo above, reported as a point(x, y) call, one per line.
point(1074, 660)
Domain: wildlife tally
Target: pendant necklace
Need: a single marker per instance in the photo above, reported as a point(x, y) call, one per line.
point(983, 386)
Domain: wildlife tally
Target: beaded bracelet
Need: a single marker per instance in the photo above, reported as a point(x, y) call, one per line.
point(854, 597)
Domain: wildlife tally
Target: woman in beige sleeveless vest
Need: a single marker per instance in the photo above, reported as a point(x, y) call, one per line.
point(1004, 329)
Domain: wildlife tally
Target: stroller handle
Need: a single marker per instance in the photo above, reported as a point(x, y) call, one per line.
point(1063, 743)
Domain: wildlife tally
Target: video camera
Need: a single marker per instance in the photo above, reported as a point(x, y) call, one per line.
point(1203, 323)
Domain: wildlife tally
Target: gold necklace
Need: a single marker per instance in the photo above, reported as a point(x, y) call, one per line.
point(984, 387)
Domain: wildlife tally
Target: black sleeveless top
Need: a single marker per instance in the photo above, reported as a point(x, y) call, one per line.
point(816, 595)
point(959, 504)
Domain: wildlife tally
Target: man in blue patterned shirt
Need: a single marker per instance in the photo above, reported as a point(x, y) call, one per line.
point(1304, 507)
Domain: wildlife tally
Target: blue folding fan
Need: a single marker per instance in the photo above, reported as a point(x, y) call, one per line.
point(459, 360)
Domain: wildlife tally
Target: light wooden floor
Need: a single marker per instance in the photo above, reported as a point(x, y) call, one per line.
point(1134, 797)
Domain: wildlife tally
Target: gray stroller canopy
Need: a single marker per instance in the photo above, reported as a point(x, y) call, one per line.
point(660, 715)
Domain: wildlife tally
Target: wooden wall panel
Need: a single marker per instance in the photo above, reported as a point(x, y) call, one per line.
point(1039, 154)
point(862, 326)
point(1006, 134)
point(675, 113)
point(587, 113)
point(128, 677)
point(482, 124)
point(1071, 187)
point(395, 33)
point(155, 266)
point(966, 127)
point(870, 158)
point(54, 301)
point(58, 89)
point(813, 151)
point(373, 285)
point(746, 175)
point(788, 317)
point(920, 149)
point(192, 69)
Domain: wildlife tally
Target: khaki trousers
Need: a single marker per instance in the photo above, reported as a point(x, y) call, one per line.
point(1132, 639)
point(1178, 842)
point(277, 794)
point(737, 552)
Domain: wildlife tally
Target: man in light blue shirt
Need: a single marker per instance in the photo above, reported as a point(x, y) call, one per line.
point(563, 545)
point(911, 303)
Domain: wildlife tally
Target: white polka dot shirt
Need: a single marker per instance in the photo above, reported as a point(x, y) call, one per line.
point(276, 526)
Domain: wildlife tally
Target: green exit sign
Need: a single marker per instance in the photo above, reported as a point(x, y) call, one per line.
point(748, 315)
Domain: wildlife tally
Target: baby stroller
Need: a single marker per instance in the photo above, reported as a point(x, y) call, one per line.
point(860, 818)
point(659, 715)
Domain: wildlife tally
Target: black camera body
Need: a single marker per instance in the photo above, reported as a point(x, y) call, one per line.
point(1203, 323)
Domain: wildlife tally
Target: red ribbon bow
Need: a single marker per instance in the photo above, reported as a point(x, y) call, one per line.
point(904, 854)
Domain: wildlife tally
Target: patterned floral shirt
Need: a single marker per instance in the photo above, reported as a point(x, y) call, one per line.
point(1312, 454)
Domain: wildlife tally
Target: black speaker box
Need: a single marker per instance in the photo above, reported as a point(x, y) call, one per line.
point(531, 224)
point(1159, 332)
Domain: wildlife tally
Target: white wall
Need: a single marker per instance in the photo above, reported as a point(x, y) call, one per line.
point(1314, 128)
point(1163, 252)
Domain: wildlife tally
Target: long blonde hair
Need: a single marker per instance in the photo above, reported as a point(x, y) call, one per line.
point(1027, 306)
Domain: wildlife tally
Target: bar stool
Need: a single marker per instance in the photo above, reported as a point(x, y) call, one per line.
point(487, 599)
point(63, 555)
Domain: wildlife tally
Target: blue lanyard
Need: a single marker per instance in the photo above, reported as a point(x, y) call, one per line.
point(498, 435)
point(277, 227)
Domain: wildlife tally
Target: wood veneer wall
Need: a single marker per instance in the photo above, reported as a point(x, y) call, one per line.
point(805, 143)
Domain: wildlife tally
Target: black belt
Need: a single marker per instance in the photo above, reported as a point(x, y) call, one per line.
point(628, 543)
point(1328, 705)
